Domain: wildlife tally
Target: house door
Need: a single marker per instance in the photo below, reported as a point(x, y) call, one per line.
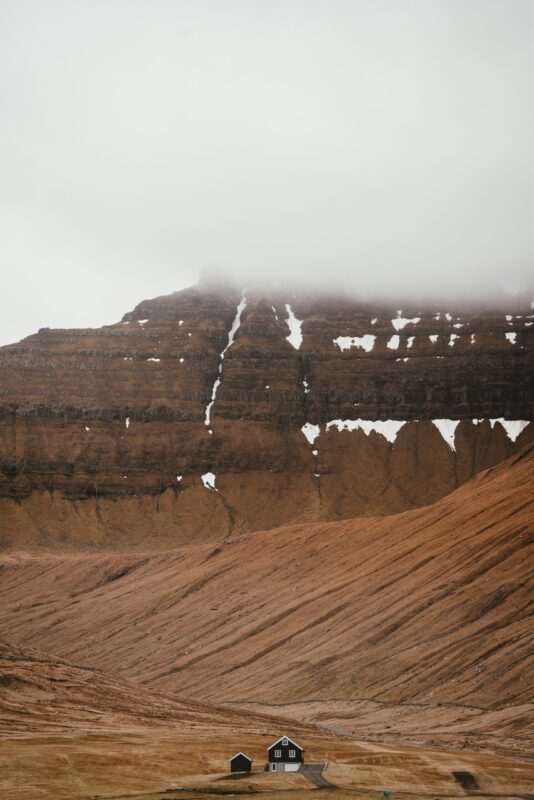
point(273, 767)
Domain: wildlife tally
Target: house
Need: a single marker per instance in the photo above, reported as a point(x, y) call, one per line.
point(240, 763)
point(285, 755)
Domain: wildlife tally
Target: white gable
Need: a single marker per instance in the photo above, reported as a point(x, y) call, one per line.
point(289, 741)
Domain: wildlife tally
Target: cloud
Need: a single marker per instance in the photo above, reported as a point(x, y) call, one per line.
point(366, 147)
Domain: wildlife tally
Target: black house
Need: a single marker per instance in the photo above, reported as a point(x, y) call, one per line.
point(285, 755)
point(240, 763)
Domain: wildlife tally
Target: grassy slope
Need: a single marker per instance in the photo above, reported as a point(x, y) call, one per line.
point(426, 608)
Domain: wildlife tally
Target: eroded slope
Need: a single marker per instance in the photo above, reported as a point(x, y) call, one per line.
point(429, 607)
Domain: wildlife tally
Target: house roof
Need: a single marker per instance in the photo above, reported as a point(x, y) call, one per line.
point(241, 754)
point(289, 740)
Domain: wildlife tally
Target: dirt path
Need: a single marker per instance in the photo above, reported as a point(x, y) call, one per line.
point(314, 773)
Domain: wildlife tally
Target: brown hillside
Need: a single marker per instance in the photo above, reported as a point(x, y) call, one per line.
point(69, 733)
point(104, 437)
point(425, 608)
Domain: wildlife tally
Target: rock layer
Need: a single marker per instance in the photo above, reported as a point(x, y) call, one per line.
point(105, 434)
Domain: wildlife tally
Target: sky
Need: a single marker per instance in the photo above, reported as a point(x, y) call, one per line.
point(367, 147)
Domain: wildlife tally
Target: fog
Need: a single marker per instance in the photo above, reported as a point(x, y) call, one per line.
point(371, 147)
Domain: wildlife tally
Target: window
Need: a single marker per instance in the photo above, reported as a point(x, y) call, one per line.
point(292, 754)
point(284, 741)
point(278, 754)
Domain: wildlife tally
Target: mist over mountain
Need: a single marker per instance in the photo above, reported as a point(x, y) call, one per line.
point(370, 148)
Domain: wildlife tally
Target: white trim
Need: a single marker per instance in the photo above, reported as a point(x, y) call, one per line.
point(289, 741)
point(241, 754)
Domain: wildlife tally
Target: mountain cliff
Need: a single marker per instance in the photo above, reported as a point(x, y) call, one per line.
point(211, 412)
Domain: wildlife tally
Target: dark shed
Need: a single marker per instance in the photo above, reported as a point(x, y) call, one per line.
point(240, 763)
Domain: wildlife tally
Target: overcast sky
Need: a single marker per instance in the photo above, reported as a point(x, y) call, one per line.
point(369, 145)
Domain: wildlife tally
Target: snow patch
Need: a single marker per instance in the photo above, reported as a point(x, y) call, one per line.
point(180, 322)
point(208, 479)
point(127, 422)
point(513, 427)
point(473, 337)
point(448, 316)
point(458, 325)
point(274, 312)
point(231, 337)
point(315, 453)
point(433, 338)
point(366, 342)
point(452, 339)
point(400, 322)
point(142, 321)
point(311, 432)
point(511, 337)
point(181, 360)
point(87, 428)
point(153, 359)
point(374, 320)
point(447, 428)
point(410, 341)
point(508, 317)
point(393, 343)
point(387, 428)
point(306, 387)
point(179, 478)
point(294, 325)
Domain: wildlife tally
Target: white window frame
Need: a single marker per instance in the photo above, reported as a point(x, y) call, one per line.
point(278, 754)
point(285, 741)
point(292, 754)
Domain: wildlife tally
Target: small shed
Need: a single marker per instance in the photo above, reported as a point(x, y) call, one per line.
point(240, 763)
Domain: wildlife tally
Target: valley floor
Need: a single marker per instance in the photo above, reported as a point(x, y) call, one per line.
point(139, 763)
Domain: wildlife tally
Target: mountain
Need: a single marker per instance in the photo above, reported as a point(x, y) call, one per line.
point(422, 619)
point(208, 413)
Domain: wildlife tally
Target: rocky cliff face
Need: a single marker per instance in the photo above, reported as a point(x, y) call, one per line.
point(205, 413)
